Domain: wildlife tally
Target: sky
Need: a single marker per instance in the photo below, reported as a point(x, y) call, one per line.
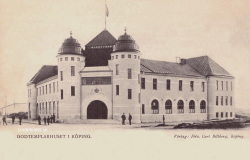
point(32, 31)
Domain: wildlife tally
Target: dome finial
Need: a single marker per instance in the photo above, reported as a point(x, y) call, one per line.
point(70, 34)
point(125, 30)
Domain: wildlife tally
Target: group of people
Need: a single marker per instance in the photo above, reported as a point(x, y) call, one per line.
point(50, 119)
point(13, 120)
point(124, 118)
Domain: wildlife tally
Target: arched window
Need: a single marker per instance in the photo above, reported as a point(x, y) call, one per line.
point(155, 106)
point(191, 107)
point(180, 106)
point(168, 107)
point(203, 106)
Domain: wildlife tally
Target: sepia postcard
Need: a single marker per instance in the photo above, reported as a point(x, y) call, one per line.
point(124, 79)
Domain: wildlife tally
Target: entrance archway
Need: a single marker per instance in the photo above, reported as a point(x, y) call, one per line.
point(97, 110)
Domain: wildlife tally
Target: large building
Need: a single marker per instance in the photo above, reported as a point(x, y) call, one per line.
point(110, 78)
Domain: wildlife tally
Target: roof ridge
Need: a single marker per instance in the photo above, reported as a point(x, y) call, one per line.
point(157, 60)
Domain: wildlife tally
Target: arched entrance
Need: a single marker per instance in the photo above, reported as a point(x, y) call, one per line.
point(97, 110)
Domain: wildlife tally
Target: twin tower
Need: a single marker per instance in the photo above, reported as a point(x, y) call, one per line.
point(103, 90)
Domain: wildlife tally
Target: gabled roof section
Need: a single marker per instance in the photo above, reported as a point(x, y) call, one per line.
point(207, 67)
point(45, 72)
point(102, 39)
point(163, 67)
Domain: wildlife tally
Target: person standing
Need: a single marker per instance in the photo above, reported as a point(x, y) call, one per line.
point(20, 120)
point(39, 120)
point(51, 119)
point(123, 119)
point(54, 118)
point(4, 120)
point(163, 118)
point(13, 119)
point(48, 120)
point(44, 119)
point(129, 118)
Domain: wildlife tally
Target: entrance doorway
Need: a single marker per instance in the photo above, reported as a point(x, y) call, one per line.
point(97, 110)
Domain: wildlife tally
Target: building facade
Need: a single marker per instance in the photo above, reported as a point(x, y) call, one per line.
point(110, 78)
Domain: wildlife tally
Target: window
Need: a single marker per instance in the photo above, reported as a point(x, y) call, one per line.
point(46, 89)
point(203, 106)
point(231, 86)
point(57, 86)
point(72, 58)
point(135, 56)
point(117, 69)
point(168, 107)
point(96, 80)
point(168, 84)
point(129, 56)
point(49, 88)
point(221, 100)
point(143, 83)
point(231, 114)
point(61, 94)
point(191, 107)
point(180, 106)
point(231, 101)
point(72, 90)
point(217, 114)
point(226, 114)
point(143, 109)
point(180, 85)
point(61, 75)
point(117, 90)
point(222, 85)
point(60, 59)
point(123, 56)
point(40, 91)
point(217, 100)
point(191, 86)
point(217, 85)
point(116, 57)
point(54, 89)
point(43, 90)
point(202, 86)
point(155, 107)
point(66, 58)
point(226, 100)
point(129, 74)
point(112, 57)
point(72, 70)
point(129, 93)
point(154, 83)
point(139, 98)
point(221, 114)
point(226, 85)
point(78, 59)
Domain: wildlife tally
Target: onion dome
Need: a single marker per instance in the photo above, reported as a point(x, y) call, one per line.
point(125, 43)
point(70, 46)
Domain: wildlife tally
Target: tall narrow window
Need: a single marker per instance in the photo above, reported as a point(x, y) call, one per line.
point(117, 69)
point(226, 114)
point(231, 86)
point(168, 84)
point(116, 57)
point(129, 74)
point(129, 56)
point(180, 85)
point(43, 90)
point(49, 88)
point(57, 86)
point(217, 85)
point(72, 58)
point(203, 106)
point(61, 94)
point(217, 101)
point(226, 100)
point(66, 58)
point(117, 89)
point(222, 85)
point(226, 85)
point(180, 106)
point(54, 87)
point(221, 114)
point(217, 114)
point(72, 70)
point(231, 114)
point(155, 107)
point(40, 91)
point(61, 75)
point(72, 90)
point(231, 101)
point(222, 100)
point(191, 86)
point(168, 107)
point(129, 93)
point(191, 107)
point(202, 86)
point(155, 84)
point(143, 109)
point(46, 90)
point(142, 83)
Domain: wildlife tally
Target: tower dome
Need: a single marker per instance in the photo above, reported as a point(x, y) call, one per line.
point(70, 46)
point(125, 43)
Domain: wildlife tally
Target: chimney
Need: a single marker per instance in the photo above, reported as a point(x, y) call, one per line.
point(183, 61)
